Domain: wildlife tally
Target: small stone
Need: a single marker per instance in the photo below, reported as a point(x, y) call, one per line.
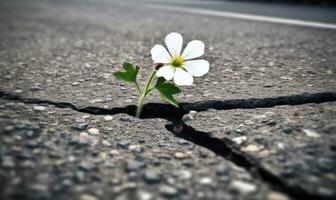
point(80, 126)
point(325, 192)
point(106, 143)
point(86, 166)
point(80, 176)
point(32, 134)
point(114, 152)
point(311, 133)
point(88, 197)
point(93, 131)
point(108, 118)
point(287, 130)
point(180, 155)
point(325, 164)
point(261, 140)
point(144, 195)
point(281, 145)
point(241, 129)
point(243, 187)
point(187, 117)
point(205, 181)
point(151, 176)
point(133, 147)
point(133, 165)
point(221, 169)
point(251, 148)
point(184, 174)
point(8, 162)
point(168, 191)
point(35, 87)
point(123, 144)
point(75, 83)
point(248, 122)
point(276, 196)
point(183, 142)
point(240, 140)
point(39, 108)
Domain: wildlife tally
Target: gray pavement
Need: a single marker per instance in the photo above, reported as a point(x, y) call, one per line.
point(66, 51)
point(270, 9)
point(53, 153)
point(296, 143)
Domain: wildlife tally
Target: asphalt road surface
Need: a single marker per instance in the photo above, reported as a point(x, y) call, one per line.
point(282, 10)
point(260, 125)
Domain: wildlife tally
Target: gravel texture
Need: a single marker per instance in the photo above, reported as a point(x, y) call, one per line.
point(51, 154)
point(67, 51)
point(296, 143)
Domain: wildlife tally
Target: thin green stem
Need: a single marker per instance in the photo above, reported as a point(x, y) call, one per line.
point(138, 88)
point(144, 94)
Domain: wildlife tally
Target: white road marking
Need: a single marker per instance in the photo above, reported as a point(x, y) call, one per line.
point(244, 16)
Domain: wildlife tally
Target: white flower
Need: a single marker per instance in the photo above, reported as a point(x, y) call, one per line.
point(179, 66)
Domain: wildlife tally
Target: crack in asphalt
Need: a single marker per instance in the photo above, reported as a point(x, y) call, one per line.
point(225, 148)
point(166, 111)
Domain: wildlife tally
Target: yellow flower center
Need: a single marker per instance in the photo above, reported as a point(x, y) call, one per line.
point(177, 61)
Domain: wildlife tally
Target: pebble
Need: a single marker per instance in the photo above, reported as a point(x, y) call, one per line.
point(184, 174)
point(93, 131)
point(86, 166)
point(243, 187)
point(276, 196)
point(240, 140)
point(205, 181)
point(32, 134)
point(168, 191)
point(151, 176)
point(261, 140)
point(75, 83)
point(251, 148)
point(80, 126)
point(187, 117)
point(180, 155)
point(40, 108)
point(133, 165)
point(248, 122)
point(108, 118)
point(106, 143)
point(114, 152)
point(281, 145)
point(35, 87)
point(123, 144)
point(325, 164)
point(221, 169)
point(88, 197)
point(144, 195)
point(183, 142)
point(311, 133)
point(80, 176)
point(8, 162)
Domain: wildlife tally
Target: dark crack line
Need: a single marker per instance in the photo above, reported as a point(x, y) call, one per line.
point(227, 149)
point(165, 111)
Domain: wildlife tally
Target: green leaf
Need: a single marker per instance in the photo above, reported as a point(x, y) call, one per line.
point(129, 75)
point(167, 90)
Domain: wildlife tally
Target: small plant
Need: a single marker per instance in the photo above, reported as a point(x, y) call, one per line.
point(170, 65)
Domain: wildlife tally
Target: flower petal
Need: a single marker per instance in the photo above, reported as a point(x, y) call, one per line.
point(182, 77)
point(197, 67)
point(166, 71)
point(174, 43)
point(160, 54)
point(194, 49)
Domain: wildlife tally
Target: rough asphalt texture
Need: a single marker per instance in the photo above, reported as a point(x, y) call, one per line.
point(67, 51)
